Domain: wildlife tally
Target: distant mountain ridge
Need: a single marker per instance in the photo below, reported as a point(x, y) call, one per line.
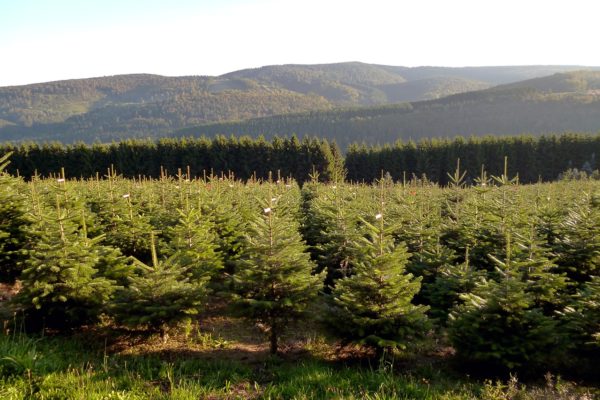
point(143, 105)
point(564, 102)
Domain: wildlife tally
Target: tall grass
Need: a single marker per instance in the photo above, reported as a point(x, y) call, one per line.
point(73, 368)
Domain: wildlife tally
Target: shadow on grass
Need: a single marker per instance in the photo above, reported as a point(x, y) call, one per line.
point(223, 358)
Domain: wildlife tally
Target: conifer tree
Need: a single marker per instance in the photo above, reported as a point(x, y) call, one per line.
point(193, 241)
point(487, 218)
point(499, 324)
point(373, 306)
point(509, 322)
point(273, 282)
point(578, 244)
point(159, 295)
point(62, 286)
point(125, 227)
point(228, 213)
point(582, 318)
point(340, 233)
point(13, 225)
point(330, 226)
point(452, 280)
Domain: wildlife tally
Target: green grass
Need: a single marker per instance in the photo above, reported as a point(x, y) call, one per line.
point(77, 367)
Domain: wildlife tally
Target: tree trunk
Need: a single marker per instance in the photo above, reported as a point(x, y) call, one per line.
point(164, 334)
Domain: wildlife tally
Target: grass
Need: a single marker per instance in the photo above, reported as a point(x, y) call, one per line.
point(227, 360)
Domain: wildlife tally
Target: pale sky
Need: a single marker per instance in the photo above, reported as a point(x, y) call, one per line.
point(45, 40)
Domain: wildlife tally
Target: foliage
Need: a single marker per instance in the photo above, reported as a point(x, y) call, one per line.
point(330, 227)
point(242, 158)
point(531, 158)
point(193, 241)
point(578, 244)
point(13, 225)
point(274, 282)
point(372, 305)
point(514, 265)
point(62, 286)
point(498, 324)
point(160, 295)
point(582, 317)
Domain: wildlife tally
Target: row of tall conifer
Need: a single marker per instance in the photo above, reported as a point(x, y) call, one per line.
point(532, 158)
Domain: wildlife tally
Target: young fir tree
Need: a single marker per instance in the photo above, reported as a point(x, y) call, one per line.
point(159, 296)
point(330, 227)
point(228, 214)
point(337, 250)
point(509, 322)
point(452, 280)
point(13, 225)
point(453, 204)
point(485, 219)
point(419, 228)
point(193, 240)
point(273, 282)
point(582, 319)
point(62, 286)
point(313, 222)
point(126, 228)
point(373, 306)
point(578, 245)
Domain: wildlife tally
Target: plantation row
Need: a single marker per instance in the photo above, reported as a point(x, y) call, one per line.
point(509, 273)
point(531, 158)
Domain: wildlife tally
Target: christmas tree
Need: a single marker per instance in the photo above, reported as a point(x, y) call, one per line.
point(62, 286)
point(373, 306)
point(274, 282)
point(13, 225)
point(159, 295)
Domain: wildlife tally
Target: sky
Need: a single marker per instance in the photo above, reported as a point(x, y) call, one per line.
point(47, 40)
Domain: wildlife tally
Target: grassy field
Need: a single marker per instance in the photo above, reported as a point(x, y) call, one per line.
point(222, 358)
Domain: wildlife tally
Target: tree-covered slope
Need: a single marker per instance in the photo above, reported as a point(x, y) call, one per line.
point(137, 105)
point(562, 102)
point(144, 105)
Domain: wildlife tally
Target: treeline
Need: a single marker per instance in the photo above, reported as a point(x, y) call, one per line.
point(243, 158)
point(531, 158)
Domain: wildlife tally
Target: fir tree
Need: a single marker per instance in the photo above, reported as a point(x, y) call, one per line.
point(509, 322)
point(582, 319)
point(193, 241)
point(125, 227)
point(160, 295)
point(373, 306)
point(13, 225)
point(499, 324)
point(578, 245)
point(228, 214)
point(273, 281)
point(62, 286)
point(452, 280)
point(331, 221)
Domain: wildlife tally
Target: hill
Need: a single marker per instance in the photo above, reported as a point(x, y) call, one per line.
point(144, 105)
point(562, 102)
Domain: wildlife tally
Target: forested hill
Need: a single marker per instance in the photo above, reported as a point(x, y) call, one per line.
point(558, 103)
point(150, 105)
